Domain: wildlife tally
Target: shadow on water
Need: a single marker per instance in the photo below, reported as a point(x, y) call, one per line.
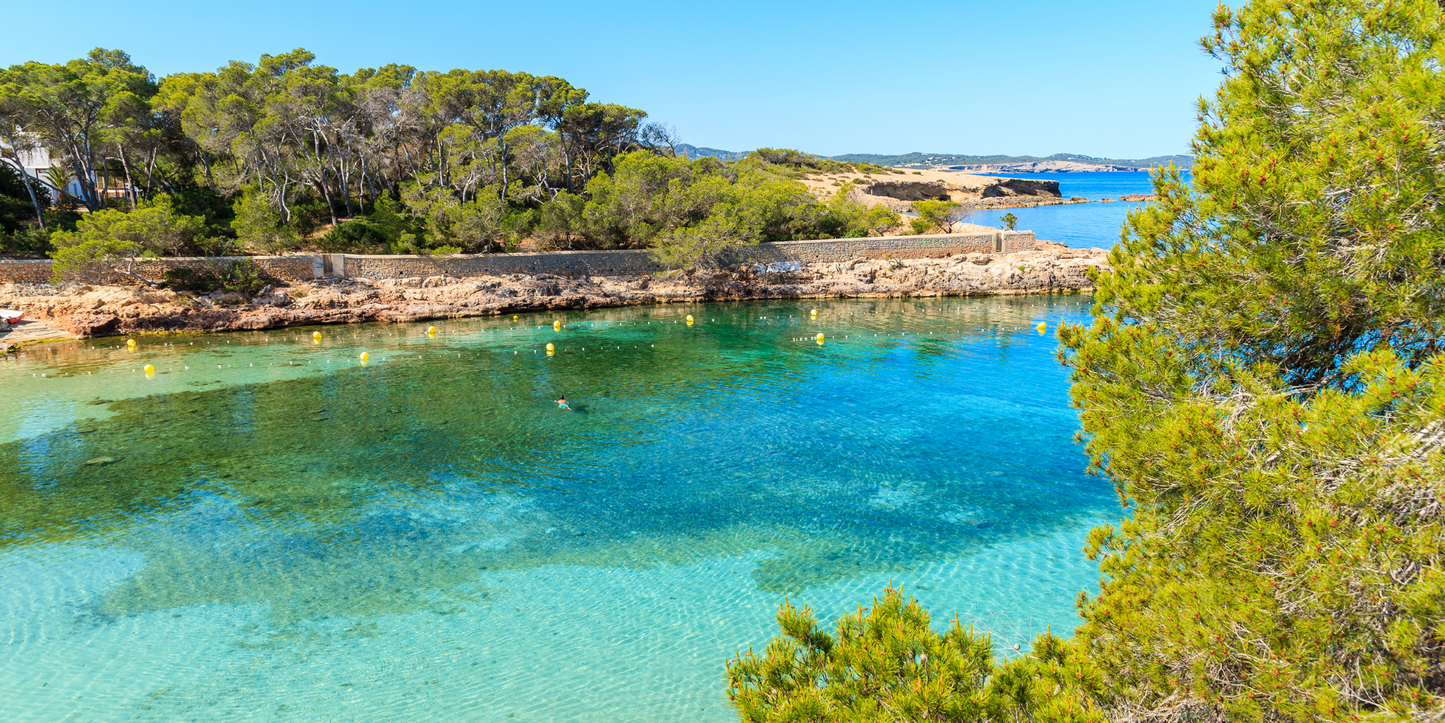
point(391, 489)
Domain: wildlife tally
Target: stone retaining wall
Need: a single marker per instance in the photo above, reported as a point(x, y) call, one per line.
point(24, 272)
point(286, 268)
point(567, 263)
point(623, 263)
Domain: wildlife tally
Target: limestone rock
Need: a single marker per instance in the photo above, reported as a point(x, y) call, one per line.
point(106, 310)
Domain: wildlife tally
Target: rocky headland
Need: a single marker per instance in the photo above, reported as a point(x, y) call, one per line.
point(74, 310)
point(898, 191)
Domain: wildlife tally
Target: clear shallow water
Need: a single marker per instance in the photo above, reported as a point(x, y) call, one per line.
point(1091, 225)
point(295, 536)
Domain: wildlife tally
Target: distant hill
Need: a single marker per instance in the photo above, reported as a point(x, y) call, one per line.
point(690, 151)
point(929, 160)
point(1016, 164)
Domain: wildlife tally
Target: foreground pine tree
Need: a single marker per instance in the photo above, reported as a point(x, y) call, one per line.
point(1264, 383)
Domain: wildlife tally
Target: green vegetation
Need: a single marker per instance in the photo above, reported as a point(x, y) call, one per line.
point(107, 242)
point(1264, 384)
point(286, 154)
point(240, 276)
point(1010, 221)
point(936, 214)
point(803, 164)
point(22, 205)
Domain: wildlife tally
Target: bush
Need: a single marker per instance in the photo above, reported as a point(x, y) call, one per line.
point(560, 220)
point(885, 664)
point(107, 242)
point(242, 276)
point(354, 235)
point(938, 214)
point(30, 242)
point(16, 205)
point(217, 211)
point(258, 225)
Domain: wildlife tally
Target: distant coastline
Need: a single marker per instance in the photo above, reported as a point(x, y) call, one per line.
point(1057, 163)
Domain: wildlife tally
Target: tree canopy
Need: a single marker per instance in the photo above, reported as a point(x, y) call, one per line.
point(286, 151)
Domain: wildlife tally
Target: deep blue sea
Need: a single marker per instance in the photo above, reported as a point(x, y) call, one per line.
point(1091, 225)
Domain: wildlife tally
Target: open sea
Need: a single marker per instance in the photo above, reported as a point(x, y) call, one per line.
point(267, 529)
point(1091, 225)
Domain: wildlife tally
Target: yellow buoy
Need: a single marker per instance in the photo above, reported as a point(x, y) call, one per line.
point(550, 347)
point(515, 317)
point(150, 371)
point(431, 331)
point(316, 336)
point(819, 338)
point(1042, 327)
point(689, 319)
point(814, 312)
point(556, 326)
point(364, 357)
point(130, 344)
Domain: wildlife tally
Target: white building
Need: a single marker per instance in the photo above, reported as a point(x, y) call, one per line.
point(34, 163)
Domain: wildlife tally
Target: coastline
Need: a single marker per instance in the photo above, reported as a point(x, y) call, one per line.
point(81, 311)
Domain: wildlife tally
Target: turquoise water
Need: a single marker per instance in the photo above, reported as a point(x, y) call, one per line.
point(269, 530)
point(1091, 225)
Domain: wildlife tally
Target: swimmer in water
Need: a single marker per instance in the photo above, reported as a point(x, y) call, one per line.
point(562, 404)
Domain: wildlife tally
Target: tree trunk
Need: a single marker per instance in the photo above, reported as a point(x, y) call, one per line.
point(129, 184)
point(567, 162)
point(345, 177)
point(25, 179)
point(285, 210)
point(409, 161)
point(366, 185)
point(84, 172)
point(150, 175)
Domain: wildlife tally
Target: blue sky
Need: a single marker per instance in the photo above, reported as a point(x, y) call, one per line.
point(1116, 79)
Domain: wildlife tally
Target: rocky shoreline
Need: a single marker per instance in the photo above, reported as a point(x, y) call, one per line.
point(83, 311)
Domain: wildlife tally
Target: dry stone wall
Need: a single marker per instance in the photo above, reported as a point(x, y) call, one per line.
point(286, 268)
point(24, 272)
point(566, 263)
point(631, 262)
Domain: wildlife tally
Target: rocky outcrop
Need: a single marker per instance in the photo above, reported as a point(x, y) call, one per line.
point(92, 311)
point(1022, 187)
point(964, 191)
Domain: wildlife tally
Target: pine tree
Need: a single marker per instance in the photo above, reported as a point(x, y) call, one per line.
point(1263, 383)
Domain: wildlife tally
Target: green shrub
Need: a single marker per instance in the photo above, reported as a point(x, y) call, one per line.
point(242, 276)
point(886, 664)
point(938, 214)
point(107, 242)
point(259, 226)
point(29, 242)
point(355, 235)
